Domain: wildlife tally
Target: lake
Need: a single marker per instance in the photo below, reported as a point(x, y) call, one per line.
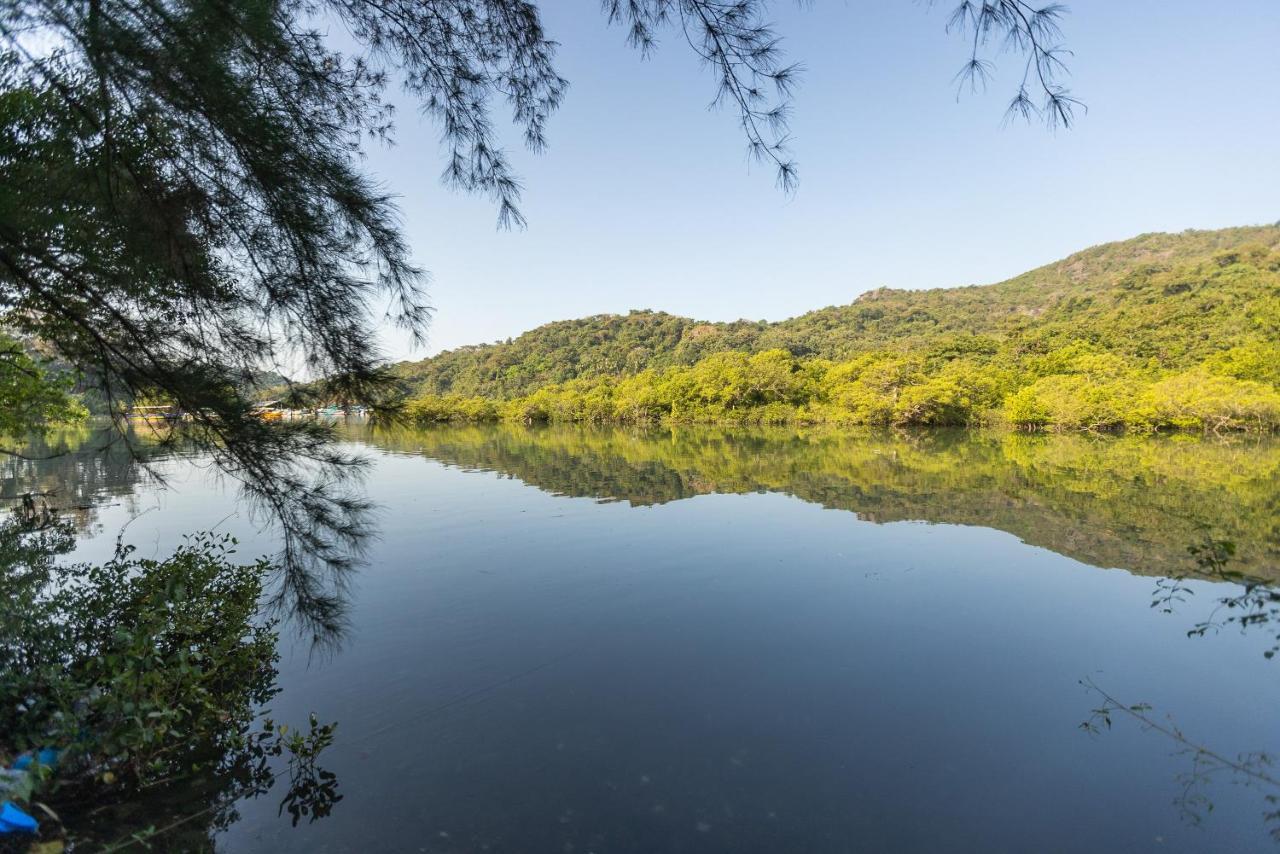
point(696, 640)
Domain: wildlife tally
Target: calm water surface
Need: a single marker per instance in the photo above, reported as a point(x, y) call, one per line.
point(597, 641)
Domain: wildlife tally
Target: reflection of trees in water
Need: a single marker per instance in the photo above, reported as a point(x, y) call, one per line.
point(1205, 766)
point(189, 814)
point(72, 472)
point(1254, 601)
point(1132, 502)
point(1246, 602)
point(75, 469)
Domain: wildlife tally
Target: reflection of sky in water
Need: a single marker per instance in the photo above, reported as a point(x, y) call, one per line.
point(734, 673)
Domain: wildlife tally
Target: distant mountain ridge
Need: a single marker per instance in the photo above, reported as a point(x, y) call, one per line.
point(1170, 299)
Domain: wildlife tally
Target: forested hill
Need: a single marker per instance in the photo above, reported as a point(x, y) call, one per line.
point(1164, 300)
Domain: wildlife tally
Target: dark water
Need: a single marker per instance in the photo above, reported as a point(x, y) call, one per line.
point(599, 641)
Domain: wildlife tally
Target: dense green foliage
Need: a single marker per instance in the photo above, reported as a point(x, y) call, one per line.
point(1135, 502)
point(139, 671)
point(1163, 331)
point(33, 394)
point(138, 661)
point(1073, 388)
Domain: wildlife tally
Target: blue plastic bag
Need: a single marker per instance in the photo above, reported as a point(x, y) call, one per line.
point(14, 820)
point(45, 756)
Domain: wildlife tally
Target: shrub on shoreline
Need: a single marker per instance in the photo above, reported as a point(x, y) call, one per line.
point(138, 673)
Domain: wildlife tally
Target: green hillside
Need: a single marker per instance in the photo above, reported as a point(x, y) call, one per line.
point(1172, 298)
point(1159, 332)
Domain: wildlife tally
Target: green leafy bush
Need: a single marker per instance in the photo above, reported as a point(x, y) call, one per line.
point(141, 671)
point(138, 668)
point(1201, 401)
point(1075, 402)
point(32, 396)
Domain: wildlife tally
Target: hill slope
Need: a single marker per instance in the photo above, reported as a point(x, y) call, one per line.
point(1168, 300)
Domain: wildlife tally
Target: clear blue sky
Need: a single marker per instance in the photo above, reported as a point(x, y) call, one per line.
point(645, 199)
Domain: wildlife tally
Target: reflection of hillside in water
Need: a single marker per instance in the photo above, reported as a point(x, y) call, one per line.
point(76, 469)
point(1131, 502)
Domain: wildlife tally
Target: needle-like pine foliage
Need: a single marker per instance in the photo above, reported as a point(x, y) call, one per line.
point(1032, 32)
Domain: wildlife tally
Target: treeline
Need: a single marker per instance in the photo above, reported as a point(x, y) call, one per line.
point(1163, 301)
point(1160, 332)
point(1076, 387)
